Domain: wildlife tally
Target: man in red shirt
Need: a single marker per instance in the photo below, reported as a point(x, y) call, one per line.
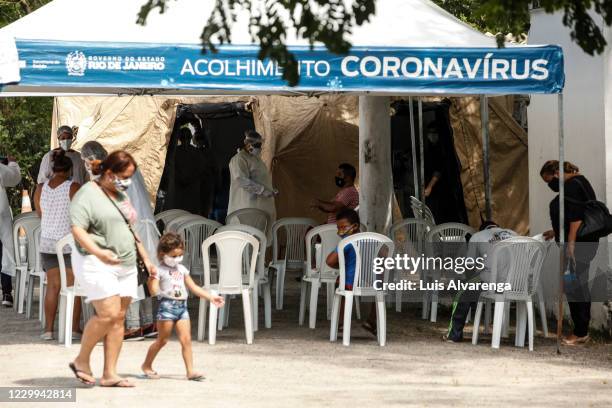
point(347, 197)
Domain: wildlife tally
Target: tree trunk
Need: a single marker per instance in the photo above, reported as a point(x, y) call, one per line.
point(375, 177)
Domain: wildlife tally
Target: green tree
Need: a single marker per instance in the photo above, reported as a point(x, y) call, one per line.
point(328, 22)
point(25, 123)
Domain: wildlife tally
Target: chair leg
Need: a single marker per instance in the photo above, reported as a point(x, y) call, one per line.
point(330, 298)
point(202, 319)
point(303, 292)
point(30, 296)
point(255, 307)
point(381, 320)
point(224, 313)
point(267, 305)
point(487, 317)
point(69, 314)
point(248, 321)
point(530, 322)
point(521, 314)
point(333, 330)
point(23, 279)
point(41, 301)
point(434, 307)
point(357, 308)
point(498, 322)
point(17, 286)
point(506, 325)
point(61, 330)
point(542, 308)
point(314, 297)
point(212, 322)
point(469, 314)
point(398, 301)
point(425, 306)
point(280, 286)
point(477, 315)
point(348, 311)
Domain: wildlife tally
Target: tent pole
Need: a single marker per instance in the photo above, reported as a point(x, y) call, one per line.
point(561, 221)
point(421, 148)
point(415, 172)
point(484, 120)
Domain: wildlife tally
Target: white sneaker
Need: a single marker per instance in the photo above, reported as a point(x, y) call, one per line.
point(47, 336)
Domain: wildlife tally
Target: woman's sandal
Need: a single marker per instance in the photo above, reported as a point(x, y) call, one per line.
point(576, 341)
point(198, 378)
point(151, 375)
point(122, 383)
point(79, 375)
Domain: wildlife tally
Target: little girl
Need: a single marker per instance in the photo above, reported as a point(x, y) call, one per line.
point(170, 285)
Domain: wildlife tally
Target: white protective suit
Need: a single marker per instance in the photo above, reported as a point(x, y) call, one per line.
point(251, 185)
point(10, 176)
point(139, 197)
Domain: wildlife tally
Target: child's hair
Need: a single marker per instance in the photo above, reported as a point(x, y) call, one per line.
point(168, 243)
point(349, 215)
point(61, 162)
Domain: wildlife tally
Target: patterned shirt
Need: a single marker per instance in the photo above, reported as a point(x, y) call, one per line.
point(348, 197)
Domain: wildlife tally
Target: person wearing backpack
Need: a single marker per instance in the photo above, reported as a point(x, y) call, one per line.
point(578, 192)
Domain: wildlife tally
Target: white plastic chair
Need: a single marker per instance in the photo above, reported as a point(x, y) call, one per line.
point(367, 246)
point(175, 224)
point(36, 272)
point(320, 272)
point(253, 217)
point(261, 279)
point(421, 211)
point(230, 246)
point(24, 254)
point(409, 237)
point(194, 232)
point(294, 230)
point(521, 258)
point(67, 293)
point(166, 216)
point(453, 234)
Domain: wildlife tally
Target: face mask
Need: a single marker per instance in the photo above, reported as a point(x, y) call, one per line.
point(172, 261)
point(345, 233)
point(340, 181)
point(554, 184)
point(255, 151)
point(65, 144)
point(122, 185)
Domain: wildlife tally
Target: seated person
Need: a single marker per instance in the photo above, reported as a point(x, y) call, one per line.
point(347, 196)
point(481, 244)
point(348, 224)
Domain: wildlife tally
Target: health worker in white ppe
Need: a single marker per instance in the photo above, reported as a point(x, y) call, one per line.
point(66, 138)
point(251, 182)
point(10, 176)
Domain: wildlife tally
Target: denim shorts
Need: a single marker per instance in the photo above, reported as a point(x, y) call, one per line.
point(170, 309)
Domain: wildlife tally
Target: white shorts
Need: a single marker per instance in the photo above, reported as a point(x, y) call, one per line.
point(97, 280)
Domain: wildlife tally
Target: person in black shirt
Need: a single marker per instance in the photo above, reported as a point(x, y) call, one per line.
point(578, 190)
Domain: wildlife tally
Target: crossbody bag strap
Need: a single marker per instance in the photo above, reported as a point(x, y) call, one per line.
point(127, 222)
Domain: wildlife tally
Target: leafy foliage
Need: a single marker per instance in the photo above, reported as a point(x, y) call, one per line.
point(25, 123)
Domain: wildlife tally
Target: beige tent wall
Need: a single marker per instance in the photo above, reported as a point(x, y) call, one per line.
point(306, 139)
point(508, 161)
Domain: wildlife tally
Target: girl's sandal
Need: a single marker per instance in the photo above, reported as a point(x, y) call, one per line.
point(151, 375)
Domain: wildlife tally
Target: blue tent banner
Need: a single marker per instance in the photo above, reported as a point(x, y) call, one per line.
point(511, 70)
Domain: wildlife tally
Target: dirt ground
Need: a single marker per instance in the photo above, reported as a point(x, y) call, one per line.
point(293, 365)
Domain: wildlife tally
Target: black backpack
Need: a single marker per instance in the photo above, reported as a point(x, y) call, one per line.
point(597, 221)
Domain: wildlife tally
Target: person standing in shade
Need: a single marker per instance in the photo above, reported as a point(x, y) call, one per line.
point(347, 196)
point(66, 138)
point(251, 182)
point(578, 191)
point(10, 176)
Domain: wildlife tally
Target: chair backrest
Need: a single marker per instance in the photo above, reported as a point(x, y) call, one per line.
point(520, 259)
point(329, 239)
point(448, 240)
point(294, 230)
point(253, 217)
point(421, 211)
point(263, 244)
point(29, 214)
point(230, 246)
point(28, 247)
point(68, 240)
point(175, 224)
point(409, 236)
point(367, 246)
point(165, 217)
point(195, 232)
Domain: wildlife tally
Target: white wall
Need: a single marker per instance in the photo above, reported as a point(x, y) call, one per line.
point(584, 118)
